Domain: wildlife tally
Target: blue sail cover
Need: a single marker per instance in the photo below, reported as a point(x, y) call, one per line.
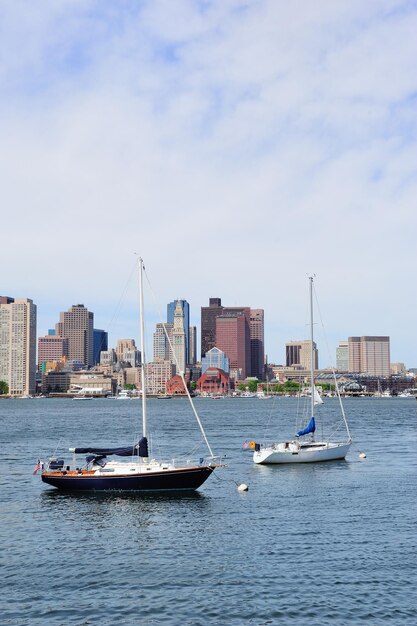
point(309, 429)
point(139, 449)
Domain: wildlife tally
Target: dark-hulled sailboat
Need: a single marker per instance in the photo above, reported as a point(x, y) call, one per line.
point(137, 472)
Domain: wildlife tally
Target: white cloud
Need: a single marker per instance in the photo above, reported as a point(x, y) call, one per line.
point(236, 145)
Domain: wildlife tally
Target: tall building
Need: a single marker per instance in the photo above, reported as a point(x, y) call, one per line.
point(209, 315)
point(192, 355)
point(299, 353)
point(342, 356)
point(100, 343)
point(18, 345)
point(369, 355)
point(232, 338)
point(161, 348)
point(171, 306)
point(77, 325)
point(122, 346)
point(51, 348)
point(257, 343)
point(179, 339)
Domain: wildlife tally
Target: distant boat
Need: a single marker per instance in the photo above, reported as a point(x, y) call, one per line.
point(299, 450)
point(82, 398)
point(140, 472)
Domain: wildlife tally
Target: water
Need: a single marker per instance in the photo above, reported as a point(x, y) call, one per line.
point(317, 544)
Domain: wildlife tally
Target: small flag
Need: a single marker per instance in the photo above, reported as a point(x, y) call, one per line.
point(37, 467)
point(246, 444)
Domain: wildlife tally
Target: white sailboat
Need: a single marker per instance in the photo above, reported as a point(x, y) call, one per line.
point(139, 472)
point(299, 450)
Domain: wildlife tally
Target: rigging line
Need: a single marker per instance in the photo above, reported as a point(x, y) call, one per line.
point(181, 374)
point(117, 308)
point(332, 368)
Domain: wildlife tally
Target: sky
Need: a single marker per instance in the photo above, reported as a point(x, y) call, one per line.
point(238, 146)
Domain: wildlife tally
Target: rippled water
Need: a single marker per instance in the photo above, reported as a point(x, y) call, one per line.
point(331, 543)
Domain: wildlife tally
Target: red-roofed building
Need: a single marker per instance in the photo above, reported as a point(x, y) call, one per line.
point(214, 381)
point(175, 386)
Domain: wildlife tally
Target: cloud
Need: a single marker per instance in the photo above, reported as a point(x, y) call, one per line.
point(236, 145)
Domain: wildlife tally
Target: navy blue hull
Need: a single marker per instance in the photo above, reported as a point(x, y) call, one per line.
point(169, 480)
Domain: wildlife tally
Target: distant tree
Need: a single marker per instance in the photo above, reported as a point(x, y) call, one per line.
point(193, 385)
point(241, 387)
point(253, 386)
point(130, 387)
point(4, 388)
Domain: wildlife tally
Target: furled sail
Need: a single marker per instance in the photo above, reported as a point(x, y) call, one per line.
point(138, 449)
point(309, 429)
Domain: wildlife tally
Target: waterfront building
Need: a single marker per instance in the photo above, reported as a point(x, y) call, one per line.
point(369, 355)
point(157, 375)
point(77, 326)
point(161, 347)
point(257, 343)
point(209, 315)
point(179, 339)
point(51, 348)
point(342, 356)
point(298, 353)
point(92, 384)
point(18, 345)
point(55, 382)
point(214, 381)
point(175, 386)
point(100, 343)
point(171, 307)
point(217, 359)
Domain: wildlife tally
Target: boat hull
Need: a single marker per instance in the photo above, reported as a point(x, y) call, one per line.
point(271, 455)
point(169, 480)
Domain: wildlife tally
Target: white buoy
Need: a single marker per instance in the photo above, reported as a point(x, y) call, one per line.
point(242, 487)
point(362, 455)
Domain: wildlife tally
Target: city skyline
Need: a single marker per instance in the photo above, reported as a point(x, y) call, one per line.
point(113, 339)
point(283, 142)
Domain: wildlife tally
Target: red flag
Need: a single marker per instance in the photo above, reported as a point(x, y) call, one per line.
point(37, 467)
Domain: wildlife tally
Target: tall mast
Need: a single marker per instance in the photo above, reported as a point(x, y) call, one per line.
point(142, 349)
point(312, 346)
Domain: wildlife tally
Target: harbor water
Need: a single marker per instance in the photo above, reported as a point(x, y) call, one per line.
point(320, 544)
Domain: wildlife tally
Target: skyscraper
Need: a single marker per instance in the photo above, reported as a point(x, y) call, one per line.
point(299, 353)
point(192, 354)
point(369, 355)
point(161, 348)
point(342, 356)
point(179, 339)
point(257, 350)
point(18, 345)
point(208, 324)
point(100, 342)
point(76, 325)
point(232, 338)
point(51, 348)
point(171, 306)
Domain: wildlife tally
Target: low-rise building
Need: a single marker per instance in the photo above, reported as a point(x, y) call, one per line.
point(214, 381)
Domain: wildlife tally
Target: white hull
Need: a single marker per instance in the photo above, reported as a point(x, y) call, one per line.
point(294, 452)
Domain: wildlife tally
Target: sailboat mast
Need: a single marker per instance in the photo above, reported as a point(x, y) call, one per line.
point(312, 346)
point(142, 349)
